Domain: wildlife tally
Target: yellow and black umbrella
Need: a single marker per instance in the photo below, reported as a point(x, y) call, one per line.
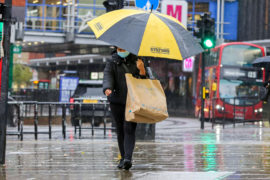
point(148, 34)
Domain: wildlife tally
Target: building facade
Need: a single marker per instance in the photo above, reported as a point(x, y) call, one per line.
point(57, 28)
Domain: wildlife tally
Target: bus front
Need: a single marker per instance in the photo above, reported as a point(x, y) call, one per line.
point(239, 83)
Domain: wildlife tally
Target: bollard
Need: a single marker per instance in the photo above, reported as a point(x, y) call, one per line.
point(224, 113)
point(64, 121)
point(20, 123)
point(234, 112)
point(36, 120)
point(244, 113)
point(19, 120)
point(41, 109)
point(80, 120)
point(104, 119)
point(93, 119)
point(50, 121)
point(253, 113)
point(213, 113)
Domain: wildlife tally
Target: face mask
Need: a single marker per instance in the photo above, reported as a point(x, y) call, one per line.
point(123, 54)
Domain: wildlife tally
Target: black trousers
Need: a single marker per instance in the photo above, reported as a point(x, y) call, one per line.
point(125, 131)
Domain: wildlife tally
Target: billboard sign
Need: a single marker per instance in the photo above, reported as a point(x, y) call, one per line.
point(176, 9)
point(67, 87)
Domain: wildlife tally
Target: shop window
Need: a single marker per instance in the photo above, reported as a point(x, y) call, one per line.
point(99, 2)
point(52, 25)
point(199, 7)
point(34, 11)
point(38, 24)
point(100, 75)
point(86, 1)
point(53, 2)
point(64, 2)
point(83, 11)
point(99, 12)
point(51, 14)
point(52, 11)
point(33, 23)
point(29, 24)
point(34, 1)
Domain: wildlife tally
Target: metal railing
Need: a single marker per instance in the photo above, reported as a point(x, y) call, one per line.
point(40, 95)
point(37, 109)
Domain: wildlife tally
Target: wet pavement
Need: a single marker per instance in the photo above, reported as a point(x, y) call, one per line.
point(180, 151)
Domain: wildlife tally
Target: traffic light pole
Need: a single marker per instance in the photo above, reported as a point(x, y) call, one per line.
point(202, 90)
point(203, 77)
point(4, 82)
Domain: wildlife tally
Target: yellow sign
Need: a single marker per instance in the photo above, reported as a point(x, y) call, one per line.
point(203, 92)
point(214, 86)
point(92, 101)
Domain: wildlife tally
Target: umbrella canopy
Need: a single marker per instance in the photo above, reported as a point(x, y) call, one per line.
point(147, 34)
point(261, 60)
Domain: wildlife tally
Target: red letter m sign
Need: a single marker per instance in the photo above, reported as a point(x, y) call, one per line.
point(176, 13)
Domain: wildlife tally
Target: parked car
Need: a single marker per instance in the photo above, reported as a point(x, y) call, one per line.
point(90, 94)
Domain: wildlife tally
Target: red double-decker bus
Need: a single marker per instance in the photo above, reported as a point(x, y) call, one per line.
point(232, 84)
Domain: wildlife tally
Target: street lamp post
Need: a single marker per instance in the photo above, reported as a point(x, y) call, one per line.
point(4, 83)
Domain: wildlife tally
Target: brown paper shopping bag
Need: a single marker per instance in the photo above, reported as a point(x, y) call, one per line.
point(146, 101)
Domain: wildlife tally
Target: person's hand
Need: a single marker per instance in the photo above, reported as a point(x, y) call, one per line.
point(108, 92)
point(140, 66)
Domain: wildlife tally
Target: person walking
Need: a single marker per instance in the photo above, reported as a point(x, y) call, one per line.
point(115, 88)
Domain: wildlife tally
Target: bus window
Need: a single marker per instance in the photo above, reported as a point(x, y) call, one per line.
point(237, 88)
point(240, 55)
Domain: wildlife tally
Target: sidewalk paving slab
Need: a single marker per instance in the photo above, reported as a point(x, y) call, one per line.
point(181, 150)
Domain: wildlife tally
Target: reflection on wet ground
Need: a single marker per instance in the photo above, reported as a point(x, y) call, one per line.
point(180, 151)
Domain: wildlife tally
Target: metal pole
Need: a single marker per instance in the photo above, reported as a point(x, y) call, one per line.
point(222, 20)
point(202, 90)
point(21, 124)
point(19, 119)
point(4, 82)
point(68, 17)
point(72, 19)
point(93, 119)
point(234, 112)
point(193, 14)
point(80, 120)
point(104, 119)
point(36, 121)
point(50, 121)
point(64, 121)
point(218, 19)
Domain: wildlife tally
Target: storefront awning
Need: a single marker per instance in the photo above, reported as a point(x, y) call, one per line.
point(69, 60)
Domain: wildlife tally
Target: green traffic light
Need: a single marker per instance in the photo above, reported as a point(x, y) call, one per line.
point(208, 43)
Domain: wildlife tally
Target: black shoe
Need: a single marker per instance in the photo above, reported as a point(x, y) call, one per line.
point(127, 164)
point(121, 164)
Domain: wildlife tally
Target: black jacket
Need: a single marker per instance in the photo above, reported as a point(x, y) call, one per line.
point(114, 77)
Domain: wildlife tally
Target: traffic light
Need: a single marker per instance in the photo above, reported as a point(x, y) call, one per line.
point(206, 31)
point(209, 38)
point(111, 5)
